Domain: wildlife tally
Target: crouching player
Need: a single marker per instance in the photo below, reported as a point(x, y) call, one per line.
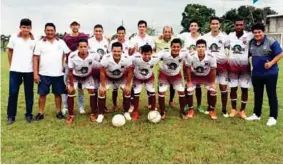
point(80, 65)
point(170, 73)
point(115, 70)
point(143, 64)
point(201, 69)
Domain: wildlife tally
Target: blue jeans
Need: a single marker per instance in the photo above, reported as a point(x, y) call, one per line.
point(16, 79)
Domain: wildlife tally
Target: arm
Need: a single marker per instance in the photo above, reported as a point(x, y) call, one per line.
point(10, 55)
point(189, 78)
point(102, 89)
point(128, 80)
point(212, 76)
point(36, 68)
point(278, 54)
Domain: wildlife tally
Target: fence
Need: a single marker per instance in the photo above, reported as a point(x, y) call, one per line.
point(277, 36)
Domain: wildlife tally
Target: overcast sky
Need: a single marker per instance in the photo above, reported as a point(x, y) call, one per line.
point(109, 13)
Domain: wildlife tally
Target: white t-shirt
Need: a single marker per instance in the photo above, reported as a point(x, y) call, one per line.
point(114, 70)
point(99, 47)
point(22, 53)
point(171, 66)
point(217, 45)
point(189, 41)
point(143, 70)
point(142, 41)
point(51, 57)
point(82, 67)
point(239, 51)
point(125, 46)
point(203, 67)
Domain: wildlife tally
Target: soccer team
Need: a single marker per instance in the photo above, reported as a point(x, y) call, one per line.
point(185, 62)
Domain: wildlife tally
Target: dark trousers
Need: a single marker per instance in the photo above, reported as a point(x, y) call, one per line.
point(271, 84)
point(16, 79)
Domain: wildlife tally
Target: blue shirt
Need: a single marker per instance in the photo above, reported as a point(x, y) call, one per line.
point(266, 51)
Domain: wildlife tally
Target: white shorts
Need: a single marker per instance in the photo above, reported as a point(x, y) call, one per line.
point(165, 81)
point(115, 83)
point(86, 83)
point(222, 77)
point(149, 85)
point(242, 79)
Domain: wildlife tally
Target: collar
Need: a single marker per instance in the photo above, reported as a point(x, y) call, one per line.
point(45, 39)
point(31, 35)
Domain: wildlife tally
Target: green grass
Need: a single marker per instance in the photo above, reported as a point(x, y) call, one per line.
point(199, 140)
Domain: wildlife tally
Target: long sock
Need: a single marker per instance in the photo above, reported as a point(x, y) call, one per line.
point(189, 99)
point(101, 105)
point(148, 98)
point(70, 102)
point(136, 103)
point(152, 99)
point(161, 102)
point(244, 98)
point(132, 96)
point(233, 97)
point(212, 102)
point(208, 100)
point(172, 93)
point(182, 102)
point(198, 95)
point(224, 97)
point(114, 97)
point(126, 103)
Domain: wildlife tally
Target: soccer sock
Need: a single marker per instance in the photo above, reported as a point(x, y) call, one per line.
point(136, 102)
point(190, 99)
point(212, 100)
point(182, 102)
point(172, 93)
point(198, 95)
point(132, 96)
point(101, 105)
point(161, 101)
point(152, 99)
point(208, 99)
point(224, 97)
point(233, 97)
point(148, 98)
point(244, 98)
point(114, 96)
point(93, 102)
point(126, 103)
point(70, 102)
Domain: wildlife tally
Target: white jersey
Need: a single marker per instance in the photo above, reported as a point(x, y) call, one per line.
point(189, 41)
point(143, 70)
point(203, 67)
point(217, 46)
point(239, 51)
point(137, 40)
point(171, 66)
point(82, 67)
point(100, 47)
point(125, 44)
point(113, 69)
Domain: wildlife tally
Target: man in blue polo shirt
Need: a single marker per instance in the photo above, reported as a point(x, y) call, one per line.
point(265, 53)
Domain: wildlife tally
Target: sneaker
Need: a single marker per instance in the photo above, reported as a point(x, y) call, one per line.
point(65, 111)
point(242, 114)
point(163, 115)
point(70, 120)
point(225, 114)
point(271, 121)
point(10, 121)
point(127, 116)
point(82, 111)
point(183, 116)
point(212, 115)
point(92, 117)
point(253, 117)
point(190, 114)
point(29, 118)
point(206, 112)
point(100, 118)
point(60, 115)
point(39, 116)
point(131, 109)
point(233, 113)
point(200, 109)
point(171, 104)
point(135, 116)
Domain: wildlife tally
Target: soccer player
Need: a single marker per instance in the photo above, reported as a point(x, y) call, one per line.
point(80, 65)
point(238, 66)
point(115, 70)
point(143, 64)
point(48, 61)
point(72, 42)
point(170, 73)
point(201, 69)
point(217, 42)
point(20, 52)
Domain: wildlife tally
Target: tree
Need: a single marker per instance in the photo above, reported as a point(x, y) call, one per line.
point(197, 12)
point(4, 40)
point(151, 31)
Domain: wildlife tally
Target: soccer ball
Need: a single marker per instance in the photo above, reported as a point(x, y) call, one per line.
point(154, 116)
point(118, 120)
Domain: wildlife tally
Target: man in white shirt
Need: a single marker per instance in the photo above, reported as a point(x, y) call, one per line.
point(20, 52)
point(218, 42)
point(48, 63)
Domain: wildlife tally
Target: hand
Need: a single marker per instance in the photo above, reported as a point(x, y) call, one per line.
point(71, 89)
point(160, 37)
point(189, 85)
point(212, 86)
point(36, 78)
point(127, 90)
point(102, 91)
point(268, 65)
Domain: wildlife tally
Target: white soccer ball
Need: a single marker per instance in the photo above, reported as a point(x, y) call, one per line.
point(118, 120)
point(154, 116)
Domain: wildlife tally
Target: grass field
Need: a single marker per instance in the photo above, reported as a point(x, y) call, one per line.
point(199, 140)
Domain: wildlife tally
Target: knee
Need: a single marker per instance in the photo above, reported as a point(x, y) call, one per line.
point(151, 93)
point(190, 91)
point(161, 94)
point(212, 92)
point(181, 94)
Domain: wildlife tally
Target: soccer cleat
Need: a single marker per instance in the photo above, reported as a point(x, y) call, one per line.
point(135, 116)
point(127, 116)
point(190, 114)
point(183, 116)
point(64, 111)
point(131, 109)
point(271, 121)
point(69, 120)
point(10, 121)
point(242, 114)
point(39, 116)
point(225, 114)
point(233, 113)
point(163, 115)
point(171, 104)
point(212, 115)
point(253, 117)
point(29, 118)
point(60, 115)
point(200, 109)
point(100, 118)
point(92, 117)
point(82, 111)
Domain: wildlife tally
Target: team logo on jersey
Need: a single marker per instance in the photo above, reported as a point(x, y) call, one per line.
point(220, 42)
point(122, 66)
point(244, 42)
point(206, 63)
point(144, 71)
point(214, 47)
point(199, 69)
point(90, 63)
point(172, 66)
point(180, 60)
point(116, 72)
point(100, 52)
point(151, 66)
point(84, 70)
point(237, 49)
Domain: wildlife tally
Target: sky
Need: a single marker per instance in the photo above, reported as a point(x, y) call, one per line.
point(109, 13)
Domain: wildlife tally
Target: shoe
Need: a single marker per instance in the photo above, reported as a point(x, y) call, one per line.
point(212, 115)
point(10, 121)
point(183, 116)
point(253, 117)
point(70, 120)
point(200, 109)
point(135, 116)
point(39, 116)
point(82, 111)
point(127, 116)
point(29, 118)
point(271, 121)
point(163, 115)
point(225, 114)
point(171, 104)
point(233, 113)
point(206, 112)
point(242, 114)
point(149, 106)
point(131, 109)
point(100, 118)
point(92, 117)
point(60, 115)
point(65, 111)
point(190, 114)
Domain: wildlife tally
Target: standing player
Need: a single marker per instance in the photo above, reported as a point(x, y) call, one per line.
point(217, 42)
point(170, 73)
point(72, 42)
point(201, 69)
point(239, 70)
point(80, 65)
point(143, 64)
point(115, 70)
